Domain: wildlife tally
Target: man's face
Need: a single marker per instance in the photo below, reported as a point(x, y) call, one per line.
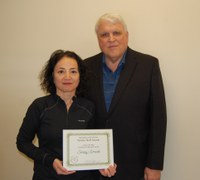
point(113, 40)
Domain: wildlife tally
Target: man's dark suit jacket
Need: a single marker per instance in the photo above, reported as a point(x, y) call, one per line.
point(137, 113)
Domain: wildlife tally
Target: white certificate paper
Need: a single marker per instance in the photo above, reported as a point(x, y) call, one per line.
point(87, 149)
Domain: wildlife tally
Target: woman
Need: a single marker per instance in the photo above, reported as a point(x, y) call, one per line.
point(63, 79)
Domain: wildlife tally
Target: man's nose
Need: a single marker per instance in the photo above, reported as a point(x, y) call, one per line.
point(111, 37)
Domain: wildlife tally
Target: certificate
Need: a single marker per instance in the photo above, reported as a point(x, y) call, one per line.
point(87, 149)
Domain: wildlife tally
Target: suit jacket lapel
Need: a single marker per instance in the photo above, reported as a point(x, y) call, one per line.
point(125, 76)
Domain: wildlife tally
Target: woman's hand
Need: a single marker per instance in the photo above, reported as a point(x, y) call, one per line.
point(57, 165)
point(109, 172)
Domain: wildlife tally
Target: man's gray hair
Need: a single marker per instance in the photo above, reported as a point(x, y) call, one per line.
point(112, 18)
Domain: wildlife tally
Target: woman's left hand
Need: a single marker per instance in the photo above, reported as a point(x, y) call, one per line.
point(109, 172)
point(60, 170)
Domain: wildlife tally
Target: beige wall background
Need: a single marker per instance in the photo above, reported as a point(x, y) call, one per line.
point(30, 30)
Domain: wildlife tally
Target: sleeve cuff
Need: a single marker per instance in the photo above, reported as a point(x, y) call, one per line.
point(48, 160)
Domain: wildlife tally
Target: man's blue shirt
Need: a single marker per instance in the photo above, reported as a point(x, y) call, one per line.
point(110, 80)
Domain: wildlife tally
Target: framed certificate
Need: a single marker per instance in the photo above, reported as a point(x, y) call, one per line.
point(87, 149)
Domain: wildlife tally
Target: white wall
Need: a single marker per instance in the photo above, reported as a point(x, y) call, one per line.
point(30, 30)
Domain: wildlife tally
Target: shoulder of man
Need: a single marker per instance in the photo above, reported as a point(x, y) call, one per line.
point(93, 58)
point(139, 55)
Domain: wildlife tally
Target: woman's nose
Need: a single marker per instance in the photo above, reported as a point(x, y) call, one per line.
point(67, 75)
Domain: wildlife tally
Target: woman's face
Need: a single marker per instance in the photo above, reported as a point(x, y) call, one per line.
point(66, 76)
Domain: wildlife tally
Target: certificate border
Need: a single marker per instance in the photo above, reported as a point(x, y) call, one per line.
point(89, 132)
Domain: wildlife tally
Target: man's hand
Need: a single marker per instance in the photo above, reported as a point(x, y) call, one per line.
point(152, 174)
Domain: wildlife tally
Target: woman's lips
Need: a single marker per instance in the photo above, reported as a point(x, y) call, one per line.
point(68, 83)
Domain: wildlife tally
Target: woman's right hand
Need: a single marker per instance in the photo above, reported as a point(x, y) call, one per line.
point(109, 172)
point(57, 165)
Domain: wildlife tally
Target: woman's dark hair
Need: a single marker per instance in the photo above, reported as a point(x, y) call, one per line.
point(46, 75)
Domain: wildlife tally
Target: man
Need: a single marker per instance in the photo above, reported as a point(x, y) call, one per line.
point(126, 87)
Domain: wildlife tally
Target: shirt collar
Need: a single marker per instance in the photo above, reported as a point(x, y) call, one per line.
point(122, 61)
